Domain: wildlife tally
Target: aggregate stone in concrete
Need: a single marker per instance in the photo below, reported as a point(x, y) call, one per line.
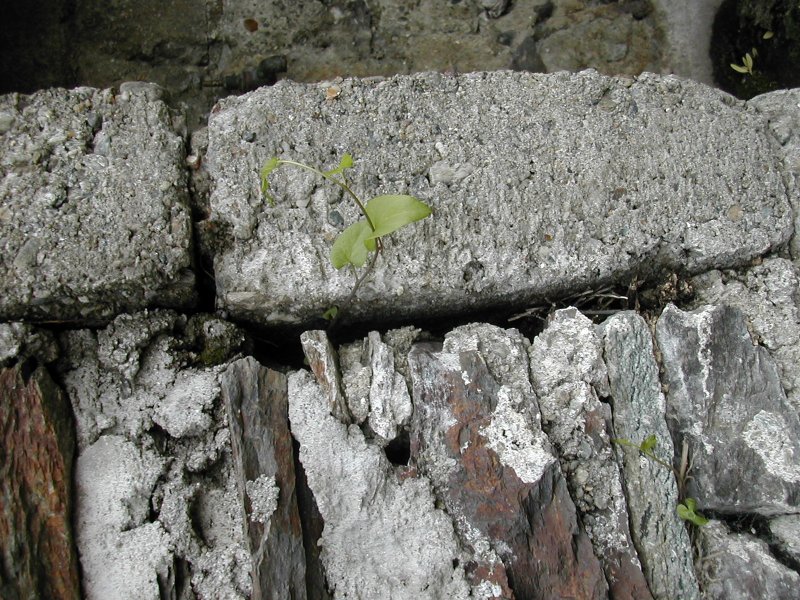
point(540, 184)
point(158, 513)
point(94, 216)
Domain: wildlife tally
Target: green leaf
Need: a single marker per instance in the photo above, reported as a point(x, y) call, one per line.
point(768, 35)
point(739, 68)
point(687, 512)
point(330, 314)
point(624, 442)
point(748, 62)
point(648, 444)
point(352, 245)
point(345, 163)
point(268, 168)
point(390, 213)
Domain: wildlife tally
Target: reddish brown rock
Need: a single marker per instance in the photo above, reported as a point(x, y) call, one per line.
point(37, 550)
point(257, 404)
point(480, 442)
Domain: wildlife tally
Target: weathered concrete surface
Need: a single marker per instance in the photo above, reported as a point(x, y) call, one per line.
point(477, 434)
point(739, 566)
point(19, 341)
point(782, 109)
point(257, 406)
point(539, 185)
point(786, 535)
point(383, 536)
point(94, 216)
point(568, 374)
point(158, 510)
point(37, 447)
point(651, 492)
point(726, 400)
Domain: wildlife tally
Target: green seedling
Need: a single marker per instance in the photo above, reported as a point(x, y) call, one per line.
point(748, 60)
point(382, 215)
point(687, 510)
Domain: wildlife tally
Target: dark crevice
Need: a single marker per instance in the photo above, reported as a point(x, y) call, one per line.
point(758, 526)
point(398, 451)
point(312, 525)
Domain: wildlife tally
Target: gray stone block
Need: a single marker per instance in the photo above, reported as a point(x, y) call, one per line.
point(725, 399)
point(639, 408)
point(94, 216)
point(540, 184)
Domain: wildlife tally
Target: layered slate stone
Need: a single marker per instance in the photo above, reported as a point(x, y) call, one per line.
point(476, 432)
point(739, 566)
point(37, 446)
point(651, 492)
point(94, 216)
point(540, 184)
point(258, 416)
point(726, 401)
point(568, 374)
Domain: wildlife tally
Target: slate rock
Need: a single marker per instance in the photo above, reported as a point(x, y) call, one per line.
point(476, 432)
point(725, 398)
point(37, 446)
point(786, 534)
point(574, 179)
point(739, 566)
point(95, 217)
point(257, 406)
point(765, 293)
point(383, 536)
point(158, 507)
point(659, 535)
point(568, 373)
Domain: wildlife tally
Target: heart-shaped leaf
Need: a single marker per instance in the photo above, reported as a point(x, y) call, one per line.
point(352, 245)
point(390, 213)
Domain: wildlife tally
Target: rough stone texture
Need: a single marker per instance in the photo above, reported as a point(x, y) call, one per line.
point(257, 406)
point(540, 184)
point(323, 361)
point(158, 511)
point(726, 400)
point(658, 534)
point(93, 205)
point(477, 434)
point(402, 545)
point(782, 109)
point(568, 373)
point(37, 446)
point(786, 533)
point(739, 566)
point(766, 294)
point(19, 341)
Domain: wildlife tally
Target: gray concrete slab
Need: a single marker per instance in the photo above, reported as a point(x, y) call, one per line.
point(540, 184)
point(94, 216)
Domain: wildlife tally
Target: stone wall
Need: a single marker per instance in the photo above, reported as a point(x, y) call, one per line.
point(468, 461)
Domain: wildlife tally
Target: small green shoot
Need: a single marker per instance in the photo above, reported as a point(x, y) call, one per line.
point(382, 215)
point(687, 510)
point(747, 65)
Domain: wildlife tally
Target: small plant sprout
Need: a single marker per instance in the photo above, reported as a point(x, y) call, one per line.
point(687, 508)
point(382, 216)
point(746, 67)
